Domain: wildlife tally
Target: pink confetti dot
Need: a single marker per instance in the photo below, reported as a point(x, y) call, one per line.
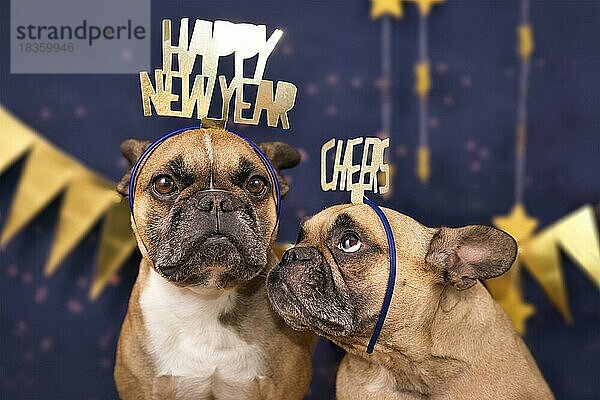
point(540, 62)
point(45, 114)
point(355, 83)
point(475, 167)
point(433, 122)
point(287, 50)
point(20, 328)
point(114, 280)
point(74, 306)
point(312, 89)
point(331, 110)
point(300, 213)
point(332, 79)
point(80, 111)
point(484, 153)
point(448, 100)
point(303, 154)
point(466, 81)
point(105, 363)
point(82, 282)
point(46, 344)
point(441, 67)
point(401, 151)
point(509, 72)
point(470, 145)
point(26, 277)
point(382, 83)
point(41, 294)
point(104, 342)
point(12, 271)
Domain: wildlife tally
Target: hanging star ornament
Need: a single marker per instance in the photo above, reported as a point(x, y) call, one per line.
point(424, 6)
point(576, 234)
point(507, 289)
point(392, 8)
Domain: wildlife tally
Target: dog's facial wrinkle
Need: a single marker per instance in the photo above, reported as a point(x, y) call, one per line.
point(244, 170)
point(181, 171)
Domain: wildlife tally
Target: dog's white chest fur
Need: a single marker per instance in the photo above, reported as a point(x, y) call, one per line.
point(188, 343)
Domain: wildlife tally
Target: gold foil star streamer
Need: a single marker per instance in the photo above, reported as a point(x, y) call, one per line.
point(539, 253)
point(385, 10)
point(48, 172)
point(422, 89)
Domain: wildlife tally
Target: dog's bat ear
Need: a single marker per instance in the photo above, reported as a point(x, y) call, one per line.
point(282, 156)
point(131, 149)
point(464, 255)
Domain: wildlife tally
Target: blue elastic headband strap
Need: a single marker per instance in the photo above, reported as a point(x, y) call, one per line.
point(154, 145)
point(391, 277)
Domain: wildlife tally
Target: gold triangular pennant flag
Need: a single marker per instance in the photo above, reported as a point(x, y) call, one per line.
point(542, 259)
point(116, 244)
point(577, 234)
point(46, 173)
point(86, 200)
point(15, 140)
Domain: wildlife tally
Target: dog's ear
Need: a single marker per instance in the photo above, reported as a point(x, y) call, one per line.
point(282, 156)
point(464, 255)
point(131, 149)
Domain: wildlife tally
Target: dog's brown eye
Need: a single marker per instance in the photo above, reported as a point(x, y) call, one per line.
point(256, 185)
point(350, 243)
point(164, 185)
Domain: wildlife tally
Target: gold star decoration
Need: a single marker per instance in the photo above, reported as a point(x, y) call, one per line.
point(392, 8)
point(518, 224)
point(507, 289)
point(425, 5)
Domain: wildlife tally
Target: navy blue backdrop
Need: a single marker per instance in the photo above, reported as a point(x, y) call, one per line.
point(55, 344)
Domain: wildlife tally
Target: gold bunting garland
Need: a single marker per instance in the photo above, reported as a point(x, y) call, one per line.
point(576, 234)
point(87, 198)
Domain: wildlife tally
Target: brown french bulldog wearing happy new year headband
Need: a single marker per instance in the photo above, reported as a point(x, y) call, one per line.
point(199, 324)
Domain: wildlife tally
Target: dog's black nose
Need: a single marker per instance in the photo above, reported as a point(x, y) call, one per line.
point(221, 200)
point(300, 254)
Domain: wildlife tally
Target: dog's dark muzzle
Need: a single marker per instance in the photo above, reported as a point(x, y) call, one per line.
point(305, 268)
point(210, 228)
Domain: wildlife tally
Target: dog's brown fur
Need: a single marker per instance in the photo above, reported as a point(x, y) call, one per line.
point(444, 336)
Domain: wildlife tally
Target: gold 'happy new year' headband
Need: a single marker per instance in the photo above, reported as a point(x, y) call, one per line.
point(211, 41)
